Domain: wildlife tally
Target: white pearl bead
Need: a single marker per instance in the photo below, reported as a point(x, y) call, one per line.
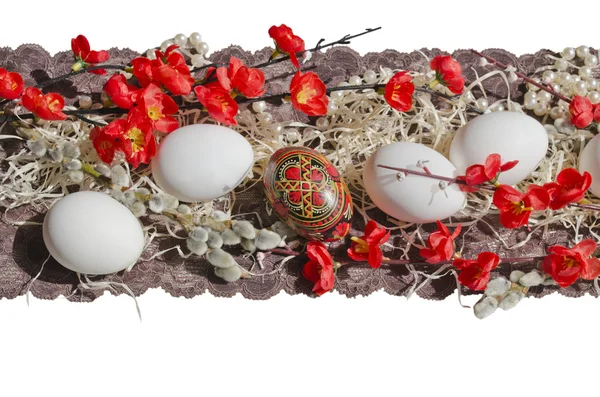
point(567, 91)
point(566, 79)
point(165, 44)
point(591, 60)
point(548, 76)
point(331, 107)
point(278, 128)
point(591, 84)
point(594, 97)
point(585, 72)
point(555, 87)
point(202, 48)
point(259, 106)
point(544, 96)
point(556, 113)
point(550, 129)
point(530, 103)
point(336, 95)
point(561, 64)
point(530, 96)
point(197, 60)
point(498, 108)
point(575, 78)
point(195, 38)
point(85, 102)
point(568, 53)
point(355, 80)
point(469, 97)
point(563, 104)
point(533, 87)
point(151, 54)
point(579, 88)
point(180, 40)
point(482, 104)
point(322, 123)
point(541, 109)
point(266, 117)
point(292, 135)
point(370, 77)
point(583, 52)
point(386, 73)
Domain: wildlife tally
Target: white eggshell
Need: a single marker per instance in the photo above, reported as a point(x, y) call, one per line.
point(590, 162)
point(416, 198)
point(201, 162)
point(514, 136)
point(92, 233)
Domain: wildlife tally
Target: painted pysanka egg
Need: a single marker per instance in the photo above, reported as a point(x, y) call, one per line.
point(308, 193)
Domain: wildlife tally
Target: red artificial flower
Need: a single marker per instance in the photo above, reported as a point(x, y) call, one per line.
point(47, 107)
point(570, 187)
point(11, 84)
point(440, 244)
point(516, 207)
point(399, 91)
point(368, 247)
point(119, 91)
point(597, 113)
point(135, 133)
point(582, 111)
point(475, 274)
point(218, 103)
point(481, 173)
point(287, 42)
point(320, 268)
point(105, 145)
point(158, 106)
point(250, 82)
point(86, 57)
point(341, 230)
point(448, 72)
point(309, 94)
point(567, 265)
point(169, 69)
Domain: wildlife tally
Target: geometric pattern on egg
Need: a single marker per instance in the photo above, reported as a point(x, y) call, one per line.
point(412, 198)
point(513, 135)
point(590, 162)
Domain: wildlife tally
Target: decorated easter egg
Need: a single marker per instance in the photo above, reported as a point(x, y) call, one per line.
point(308, 193)
point(514, 136)
point(408, 197)
point(201, 162)
point(590, 162)
point(92, 233)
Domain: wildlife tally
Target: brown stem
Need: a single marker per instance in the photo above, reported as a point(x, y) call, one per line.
point(523, 76)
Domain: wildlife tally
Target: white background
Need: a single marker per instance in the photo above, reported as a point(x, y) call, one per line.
point(289, 346)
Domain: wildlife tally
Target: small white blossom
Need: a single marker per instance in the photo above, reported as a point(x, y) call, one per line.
point(214, 240)
point(103, 169)
point(138, 209)
point(244, 229)
point(199, 234)
point(73, 164)
point(184, 209)
point(55, 154)
point(75, 176)
point(516, 275)
point(510, 300)
point(267, 240)
point(220, 258)
point(485, 307)
point(71, 150)
point(497, 286)
point(248, 245)
point(156, 204)
point(197, 247)
point(220, 216)
point(230, 238)
point(37, 147)
point(229, 274)
point(532, 279)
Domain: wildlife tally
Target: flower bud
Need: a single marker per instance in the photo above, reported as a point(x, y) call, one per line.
point(497, 286)
point(220, 258)
point(170, 202)
point(119, 176)
point(248, 245)
point(510, 300)
point(516, 275)
point(184, 209)
point(230, 238)
point(37, 147)
point(103, 169)
point(199, 234)
point(283, 230)
point(73, 164)
point(485, 307)
point(71, 150)
point(143, 192)
point(197, 247)
point(214, 240)
point(138, 209)
point(267, 240)
point(229, 274)
point(220, 216)
point(75, 176)
point(55, 154)
point(129, 197)
point(244, 229)
point(156, 204)
point(532, 279)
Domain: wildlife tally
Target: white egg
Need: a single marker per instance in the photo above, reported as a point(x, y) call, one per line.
point(514, 136)
point(92, 233)
point(412, 198)
point(590, 162)
point(202, 162)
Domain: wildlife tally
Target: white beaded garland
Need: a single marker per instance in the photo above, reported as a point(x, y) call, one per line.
point(594, 97)
point(370, 77)
point(541, 109)
point(591, 60)
point(568, 53)
point(579, 88)
point(561, 64)
point(548, 76)
point(585, 72)
point(482, 104)
point(322, 123)
point(195, 38)
point(202, 48)
point(544, 96)
point(259, 106)
point(583, 51)
point(355, 80)
point(591, 84)
point(180, 39)
point(166, 44)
